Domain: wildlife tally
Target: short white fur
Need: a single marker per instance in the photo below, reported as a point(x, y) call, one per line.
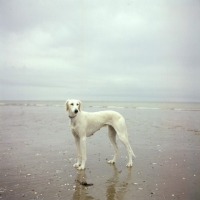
point(84, 124)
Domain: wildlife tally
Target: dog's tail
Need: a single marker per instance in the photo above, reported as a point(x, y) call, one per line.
point(130, 149)
point(132, 153)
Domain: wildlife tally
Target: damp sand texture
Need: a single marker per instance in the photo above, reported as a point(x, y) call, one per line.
point(37, 153)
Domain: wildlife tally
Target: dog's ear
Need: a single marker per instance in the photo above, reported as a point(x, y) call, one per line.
point(79, 106)
point(67, 105)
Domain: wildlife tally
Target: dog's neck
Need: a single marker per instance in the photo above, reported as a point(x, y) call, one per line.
point(71, 117)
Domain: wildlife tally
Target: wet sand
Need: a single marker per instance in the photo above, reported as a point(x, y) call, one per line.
point(37, 153)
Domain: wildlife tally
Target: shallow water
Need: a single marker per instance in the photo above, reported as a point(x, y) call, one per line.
point(179, 106)
point(37, 153)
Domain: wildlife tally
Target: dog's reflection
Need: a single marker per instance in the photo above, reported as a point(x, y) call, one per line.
point(115, 188)
point(81, 192)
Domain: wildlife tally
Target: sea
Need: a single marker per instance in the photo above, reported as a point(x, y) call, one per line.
point(177, 106)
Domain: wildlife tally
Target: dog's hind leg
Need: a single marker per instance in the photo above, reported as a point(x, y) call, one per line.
point(124, 140)
point(112, 136)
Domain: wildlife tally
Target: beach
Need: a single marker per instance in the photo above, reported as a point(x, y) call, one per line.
point(37, 153)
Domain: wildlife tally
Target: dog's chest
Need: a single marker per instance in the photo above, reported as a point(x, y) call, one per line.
point(74, 128)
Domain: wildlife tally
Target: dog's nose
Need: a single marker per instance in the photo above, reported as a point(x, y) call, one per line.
point(76, 111)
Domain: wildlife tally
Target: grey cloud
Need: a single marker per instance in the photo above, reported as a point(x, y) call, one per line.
point(124, 49)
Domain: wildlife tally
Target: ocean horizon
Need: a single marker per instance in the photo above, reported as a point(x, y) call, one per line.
point(178, 106)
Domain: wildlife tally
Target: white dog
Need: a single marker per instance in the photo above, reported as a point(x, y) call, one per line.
point(85, 124)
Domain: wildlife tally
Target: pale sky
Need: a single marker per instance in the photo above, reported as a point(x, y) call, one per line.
point(115, 50)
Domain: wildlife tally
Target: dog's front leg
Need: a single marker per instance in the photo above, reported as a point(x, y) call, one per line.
point(83, 152)
point(77, 142)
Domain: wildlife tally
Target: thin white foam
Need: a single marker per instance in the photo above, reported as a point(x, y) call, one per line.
point(148, 108)
point(115, 107)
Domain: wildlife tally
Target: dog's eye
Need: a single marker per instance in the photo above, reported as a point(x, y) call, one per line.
point(72, 104)
point(77, 104)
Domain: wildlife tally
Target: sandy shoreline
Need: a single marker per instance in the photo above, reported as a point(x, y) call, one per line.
point(37, 152)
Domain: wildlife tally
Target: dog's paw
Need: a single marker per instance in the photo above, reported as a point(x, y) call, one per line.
point(76, 165)
point(111, 162)
point(81, 168)
point(129, 164)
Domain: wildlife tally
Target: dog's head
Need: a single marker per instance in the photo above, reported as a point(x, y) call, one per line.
point(73, 106)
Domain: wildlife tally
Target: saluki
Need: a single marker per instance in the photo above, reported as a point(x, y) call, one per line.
point(84, 124)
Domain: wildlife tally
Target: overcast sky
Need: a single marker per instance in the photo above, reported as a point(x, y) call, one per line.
point(100, 50)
